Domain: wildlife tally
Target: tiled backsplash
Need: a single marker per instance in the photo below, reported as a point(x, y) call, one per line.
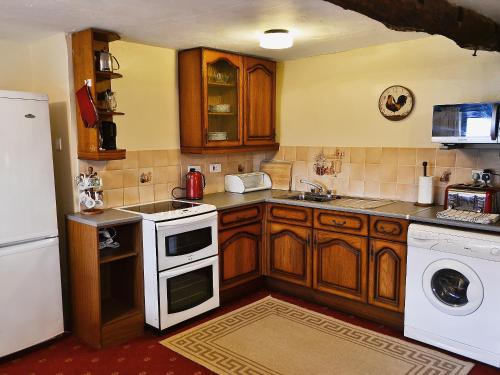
point(375, 172)
point(391, 173)
point(122, 178)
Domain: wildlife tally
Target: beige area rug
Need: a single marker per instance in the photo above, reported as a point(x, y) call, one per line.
point(271, 336)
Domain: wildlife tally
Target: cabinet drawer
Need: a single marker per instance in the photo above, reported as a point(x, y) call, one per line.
point(388, 228)
point(239, 216)
point(290, 214)
point(341, 222)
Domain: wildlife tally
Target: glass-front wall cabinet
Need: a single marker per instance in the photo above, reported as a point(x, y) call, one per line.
point(223, 121)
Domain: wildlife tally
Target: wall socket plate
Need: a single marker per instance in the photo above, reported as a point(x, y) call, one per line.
point(196, 168)
point(215, 168)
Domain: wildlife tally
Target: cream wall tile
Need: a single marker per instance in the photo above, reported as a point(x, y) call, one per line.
point(313, 152)
point(130, 177)
point(171, 187)
point(372, 189)
point(357, 171)
point(388, 191)
point(372, 172)
point(466, 158)
point(112, 179)
point(407, 192)
point(289, 153)
point(174, 157)
point(299, 168)
point(373, 155)
point(488, 159)
point(131, 161)
point(146, 193)
point(114, 165)
point(388, 173)
point(407, 156)
point(340, 185)
point(130, 195)
point(356, 187)
point(446, 158)
point(426, 154)
point(357, 155)
point(438, 173)
point(174, 175)
point(145, 159)
point(463, 175)
point(279, 155)
point(146, 176)
point(406, 175)
point(389, 156)
point(301, 153)
point(97, 166)
point(160, 158)
point(161, 192)
point(160, 175)
point(113, 198)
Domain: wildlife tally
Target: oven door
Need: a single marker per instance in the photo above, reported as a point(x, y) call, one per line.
point(186, 240)
point(188, 291)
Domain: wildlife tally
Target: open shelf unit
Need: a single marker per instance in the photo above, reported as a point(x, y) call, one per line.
point(85, 44)
point(107, 285)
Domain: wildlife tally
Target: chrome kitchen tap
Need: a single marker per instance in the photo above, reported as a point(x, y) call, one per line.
point(316, 188)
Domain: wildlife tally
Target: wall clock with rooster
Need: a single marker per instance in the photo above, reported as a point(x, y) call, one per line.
point(396, 103)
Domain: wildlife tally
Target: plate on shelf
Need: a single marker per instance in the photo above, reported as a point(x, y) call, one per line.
point(219, 108)
point(217, 136)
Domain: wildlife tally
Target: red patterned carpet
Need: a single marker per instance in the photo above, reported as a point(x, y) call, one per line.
point(145, 356)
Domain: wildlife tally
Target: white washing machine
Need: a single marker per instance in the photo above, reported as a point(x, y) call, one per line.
point(453, 291)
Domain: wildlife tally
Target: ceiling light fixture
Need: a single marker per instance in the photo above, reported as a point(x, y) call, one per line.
point(276, 39)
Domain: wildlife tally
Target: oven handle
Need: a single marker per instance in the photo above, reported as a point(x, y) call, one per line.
point(187, 220)
point(189, 268)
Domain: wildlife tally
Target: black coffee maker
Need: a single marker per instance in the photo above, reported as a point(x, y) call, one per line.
point(108, 135)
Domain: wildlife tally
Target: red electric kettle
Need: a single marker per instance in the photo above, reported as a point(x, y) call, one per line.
point(195, 183)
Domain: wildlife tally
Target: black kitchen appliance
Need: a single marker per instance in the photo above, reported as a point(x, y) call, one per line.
point(108, 135)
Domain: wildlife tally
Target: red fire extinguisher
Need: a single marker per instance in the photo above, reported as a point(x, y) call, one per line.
point(195, 183)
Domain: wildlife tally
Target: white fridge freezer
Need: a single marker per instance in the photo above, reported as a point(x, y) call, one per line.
point(30, 280)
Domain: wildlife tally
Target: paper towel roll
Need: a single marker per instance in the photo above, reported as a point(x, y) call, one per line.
point(425, 190)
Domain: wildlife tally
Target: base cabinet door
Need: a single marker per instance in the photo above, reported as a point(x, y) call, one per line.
point(387, 275)
point(239, 254)
point(340, 264)
point(289, 253)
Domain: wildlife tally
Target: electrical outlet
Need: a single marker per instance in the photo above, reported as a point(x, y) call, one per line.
point(215, 168)
point(195, 167)
point(479, 172)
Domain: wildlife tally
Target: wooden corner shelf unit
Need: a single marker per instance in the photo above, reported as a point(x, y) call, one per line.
point(85, 44)
point(106, 285)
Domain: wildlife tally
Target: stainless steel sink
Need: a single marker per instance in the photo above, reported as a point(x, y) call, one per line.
point(314, 197)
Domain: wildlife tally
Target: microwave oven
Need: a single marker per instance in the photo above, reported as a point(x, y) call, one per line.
point(473, 123)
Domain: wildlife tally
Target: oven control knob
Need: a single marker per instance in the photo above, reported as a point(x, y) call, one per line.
point(495, 251)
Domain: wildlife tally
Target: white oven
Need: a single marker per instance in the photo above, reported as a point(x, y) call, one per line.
point(181, 267)
point(186, 240)
point(188, 291)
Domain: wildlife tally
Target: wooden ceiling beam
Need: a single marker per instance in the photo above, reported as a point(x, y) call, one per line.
point(466, 27)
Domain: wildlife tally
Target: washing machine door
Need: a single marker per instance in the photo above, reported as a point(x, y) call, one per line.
point(452, 287)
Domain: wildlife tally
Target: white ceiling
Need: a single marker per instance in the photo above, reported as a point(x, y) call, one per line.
point(318, 26)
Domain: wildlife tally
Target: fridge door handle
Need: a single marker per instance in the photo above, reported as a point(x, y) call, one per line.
point(28, 246)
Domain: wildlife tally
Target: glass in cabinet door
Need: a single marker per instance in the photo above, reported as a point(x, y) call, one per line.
point(223, 108)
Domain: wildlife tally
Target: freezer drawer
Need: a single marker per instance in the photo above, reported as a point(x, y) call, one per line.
point(30, 296)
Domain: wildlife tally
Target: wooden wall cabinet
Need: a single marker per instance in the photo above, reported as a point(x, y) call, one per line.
point(226, 102)
point(387, 274)
point(84, 46)
point(107, 290)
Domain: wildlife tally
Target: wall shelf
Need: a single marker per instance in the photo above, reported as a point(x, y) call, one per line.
point(85, 44)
